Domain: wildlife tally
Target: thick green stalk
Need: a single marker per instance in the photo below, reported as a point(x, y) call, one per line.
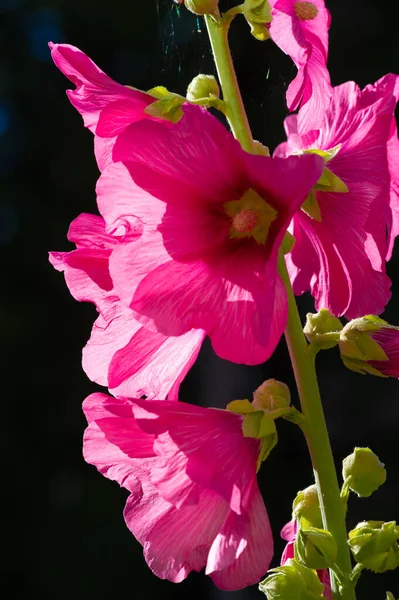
point(316, 433)
point(303, 361)
point(235, 111)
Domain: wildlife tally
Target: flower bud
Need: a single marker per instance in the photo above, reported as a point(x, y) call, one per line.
point(258, 14)
point(390, 596)
point(363, 472)
point(322, 329)
point(374, 545)
point(272, 395)
point(202, 86)
point(315, 548)
point(370, 345)
point(202, 7)
point(306, 507)
point(292, 581)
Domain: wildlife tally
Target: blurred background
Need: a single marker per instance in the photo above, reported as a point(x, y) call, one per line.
point(63, 534)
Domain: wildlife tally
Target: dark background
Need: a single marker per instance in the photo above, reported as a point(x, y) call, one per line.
point(63, 534)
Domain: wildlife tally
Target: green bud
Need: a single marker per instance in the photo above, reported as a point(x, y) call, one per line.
point(357, 345)
point(374, 545)
point(272, 395)
point(203, 86)
point(292, 581)
point(203, 7)
point(390, 596)
point(363, 472)
point(315, 548)
point(322, 329)
point(306, 507)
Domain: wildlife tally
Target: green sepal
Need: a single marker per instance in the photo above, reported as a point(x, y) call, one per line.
point(241, 407)
point(306, 508)
point(288, 242)
point(390, 596)
point(311, 207)
point(167, 106)
point(374, 545)
point(315, 548)
point(329, 182)
point(292, 581)
point(258, 424)
point(268, 443)
point(258, 13)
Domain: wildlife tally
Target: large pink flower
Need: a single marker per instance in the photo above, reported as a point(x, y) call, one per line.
point(340, 255)
point(213, 218)
point(106, 106)
point(194, 500)
point(288, 533)
point(121, 354)
point(300, 29)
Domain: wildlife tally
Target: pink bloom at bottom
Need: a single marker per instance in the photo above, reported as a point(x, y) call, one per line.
point(194, 500)
point(288, 533)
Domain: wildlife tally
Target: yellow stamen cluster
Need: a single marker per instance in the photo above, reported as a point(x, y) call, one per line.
point(251, 216)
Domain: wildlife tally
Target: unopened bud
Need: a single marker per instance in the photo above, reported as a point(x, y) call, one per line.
point(202, 7)
point(202, 86)
point(357, 345)
point(315, 548)
point(322, 329)
point(363, 472)
point(272, 395)
point(293, 581)
point(374, 545)
point(306, 507)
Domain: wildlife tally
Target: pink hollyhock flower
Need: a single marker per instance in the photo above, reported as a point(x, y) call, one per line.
point(300, 29)
point(288, 533)
point(213, 218)
point(341, 243)
point(107, 107)
point(121, 354)
point(194, 500)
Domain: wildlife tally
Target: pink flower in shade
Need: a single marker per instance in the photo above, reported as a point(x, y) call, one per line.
point(107, 107)
point(213, 219)
point(121, 354)
point(288, 533)
point(300, 29)
point(194, 500)
point(340, 256)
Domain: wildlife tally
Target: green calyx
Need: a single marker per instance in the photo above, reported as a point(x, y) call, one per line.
point(357, 345)
point(328, 182)
point(315, 548)
point(168, 105)
point(306, 508)
point(258, 14)
point(271, 401)
point(363, 472)
point(293, 581)
point(374, 545)
point(322, 330)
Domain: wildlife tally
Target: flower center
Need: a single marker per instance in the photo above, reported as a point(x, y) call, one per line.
point(245, 221)
point(306, 11)
point(251, 216)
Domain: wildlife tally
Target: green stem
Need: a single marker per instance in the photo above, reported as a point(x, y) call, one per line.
point(303, 361)
point(235, 111)
point(316, 433)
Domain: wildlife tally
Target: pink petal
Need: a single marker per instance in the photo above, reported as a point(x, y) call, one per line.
point(254, 550)
point(197, 151)
point(94, 89)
